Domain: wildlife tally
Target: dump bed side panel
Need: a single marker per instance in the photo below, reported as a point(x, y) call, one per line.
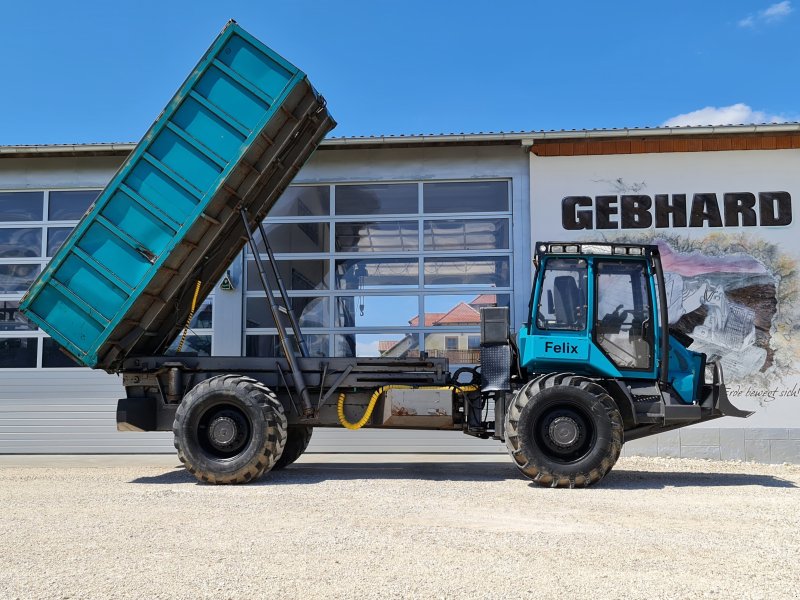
point(234, 135)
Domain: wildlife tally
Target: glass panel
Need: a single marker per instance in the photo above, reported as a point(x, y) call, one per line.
point(460, 309)
point(269, 345)
point(203, 315)
point(21, 206)
point(562, 301)
point(17, 278)
point(54, 357)
point(377, 199)
point(19, 242)
point(476, 234)
point(296, 275)
point(377, 273)
point(194, 344)
point(623, 313)
point(303, 201)
point(310, 312)
point(18, 353)
point(295, 237)
point(377, 311)
point(56, 236)
point(70, 205)
point(487, 271)
point(377, 236)
point(453, 346)
point(465, 197)
point(376, 344)
point(11, 319)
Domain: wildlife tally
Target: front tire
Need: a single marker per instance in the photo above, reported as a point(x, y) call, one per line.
point(564, 430)
point(229, 429)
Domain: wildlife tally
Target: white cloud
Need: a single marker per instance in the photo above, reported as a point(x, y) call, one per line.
point(772, 14)
point(734, 114)
point(776, 12)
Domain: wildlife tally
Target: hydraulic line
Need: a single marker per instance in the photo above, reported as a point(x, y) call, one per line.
point(191, 315)
point(377, 394)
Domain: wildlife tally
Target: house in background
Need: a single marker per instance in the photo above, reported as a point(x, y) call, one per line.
point(459, 347)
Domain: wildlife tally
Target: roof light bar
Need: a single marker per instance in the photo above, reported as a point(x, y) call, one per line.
point(614, 249)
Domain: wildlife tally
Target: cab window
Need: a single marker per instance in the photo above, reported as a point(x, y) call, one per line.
point(623, 313)
point(562, 301)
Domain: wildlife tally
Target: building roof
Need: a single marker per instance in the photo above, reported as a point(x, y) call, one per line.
point(524, 138)
point(430, 319)
point(461, 314)
point(386, 345)
point(484, 300)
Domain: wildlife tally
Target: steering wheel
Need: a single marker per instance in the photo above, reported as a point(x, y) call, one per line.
point(612, 322)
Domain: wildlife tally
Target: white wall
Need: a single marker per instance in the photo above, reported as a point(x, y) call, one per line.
point(762, 255)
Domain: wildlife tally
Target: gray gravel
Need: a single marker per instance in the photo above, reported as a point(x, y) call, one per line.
point(339, 526)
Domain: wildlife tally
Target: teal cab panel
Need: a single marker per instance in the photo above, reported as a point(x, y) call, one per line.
point(593, 315)
point(240, 127)
point(686, 371)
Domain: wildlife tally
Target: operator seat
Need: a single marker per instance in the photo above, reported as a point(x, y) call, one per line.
point(567, 301)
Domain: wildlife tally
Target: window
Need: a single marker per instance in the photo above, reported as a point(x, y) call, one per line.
point(466, 197)
point(33, 226)
point(462, 234)
point(18, 352)
point(376, 199)
point(623, 313)
point(55, 238)
point(21, 206)
point(54, 356)
point(362, 262)
point(11, 319)
point(18, 242)
point(562, 300)
point(377, 236)
point(70, 205)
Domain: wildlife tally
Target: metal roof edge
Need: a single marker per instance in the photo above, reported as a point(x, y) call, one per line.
point(521, 137)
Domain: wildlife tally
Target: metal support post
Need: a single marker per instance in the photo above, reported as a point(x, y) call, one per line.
point(299, 339)
point(297, 374)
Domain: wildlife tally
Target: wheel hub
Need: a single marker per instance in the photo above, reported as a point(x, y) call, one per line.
point(564, 431)
point(222, 432)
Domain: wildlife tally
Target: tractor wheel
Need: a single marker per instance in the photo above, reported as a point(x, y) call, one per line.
point(564, 430)
point(296, 443)
point(229, 429)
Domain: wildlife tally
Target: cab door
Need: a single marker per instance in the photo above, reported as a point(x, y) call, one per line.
point(624, 326)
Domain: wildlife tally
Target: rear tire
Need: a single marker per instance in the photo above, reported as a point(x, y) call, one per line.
point(564, 430)
point(229, 429)
point(296, 443)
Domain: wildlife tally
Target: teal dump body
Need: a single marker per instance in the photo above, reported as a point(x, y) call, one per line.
point(233, 136)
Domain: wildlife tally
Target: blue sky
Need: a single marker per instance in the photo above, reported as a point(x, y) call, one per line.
point(100, 71)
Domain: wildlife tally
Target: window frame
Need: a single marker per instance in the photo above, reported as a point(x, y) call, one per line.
point(647, 275)
point(419, 290)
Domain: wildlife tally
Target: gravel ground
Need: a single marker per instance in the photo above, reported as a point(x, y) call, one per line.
point(349, 526)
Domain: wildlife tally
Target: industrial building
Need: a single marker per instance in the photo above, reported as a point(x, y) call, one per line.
point(391, 245)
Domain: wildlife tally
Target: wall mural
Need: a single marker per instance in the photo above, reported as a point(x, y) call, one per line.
point(736, 296)
point(727, 232)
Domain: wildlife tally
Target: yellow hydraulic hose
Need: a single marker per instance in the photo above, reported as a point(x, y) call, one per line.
point(377, 394)
point(191, 315)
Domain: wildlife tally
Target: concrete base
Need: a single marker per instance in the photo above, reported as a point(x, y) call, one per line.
point(773, 445)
